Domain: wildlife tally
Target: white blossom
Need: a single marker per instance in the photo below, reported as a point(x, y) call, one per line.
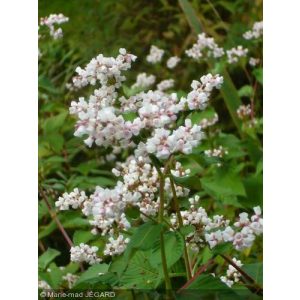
point(205, 46)
point(165, 84)
point(163, 143)
point(71, 279)
point(254, 61)
point(54, 19)
point(255, 33)
point(234, 54)
point(42, 284)
point(244, 111)
point(116, 246)
point(84, 253)
point(105, 70)
point(217, 230)
point(74, 199)
point(155, 55)
point(204, 123)
point(232, 274)
point(144, 81)
point(216, 152)
point(172, 62)
point(199, 96)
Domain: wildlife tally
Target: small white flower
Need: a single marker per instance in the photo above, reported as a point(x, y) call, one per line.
point(172, 62)
point(155, 55)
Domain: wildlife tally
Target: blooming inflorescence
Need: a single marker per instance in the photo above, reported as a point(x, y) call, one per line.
point(205, 46)
point(232, 274)
point(85, 253)
point(234, 54)
point(152, 131)
point(216, 230)
point(255, 33)
point(51, 21)
point(155, 55)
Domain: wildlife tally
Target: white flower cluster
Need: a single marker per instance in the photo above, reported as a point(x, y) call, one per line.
point(180, 171)
point(204, 123)
point(71, 279)
point(42, 284)
point(255, 33)
point(244, 111)
point(234, 54)
point(254, 61)
point(141, 184)
point(107, 209)
point(54, 19)
point(183, 139)
point(84, 253)
point(74, 199)
point(216, 152)
point(144, 81)
point(155, 55)
point(172, 62)
point(165, 84)
point(116, 246)
point(105, 70)
point(216, 230)
point(104, 126)
point(232, 275)
point(154, 108)
point(98, 119)
point(204, 45)
point(199, 96)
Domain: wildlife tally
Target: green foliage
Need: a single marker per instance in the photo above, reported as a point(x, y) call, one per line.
point(91, 276)
point(225, 184)
point(47, 257)
point(145, 236)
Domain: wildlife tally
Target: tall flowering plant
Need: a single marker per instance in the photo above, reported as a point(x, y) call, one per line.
point(155, 227)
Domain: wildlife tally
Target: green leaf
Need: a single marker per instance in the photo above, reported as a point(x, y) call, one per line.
point(92, 275)
point(47, 257)
point(255, 270)
point(55, 276)
point(258, 73)
point(42, 210)
point(81, 236)
point(186, 230)
point(246, 91)
point(54, 123)
point(208, 282)
point(224, 186)
point(231, 98)
point(191, 16)
point(140, 274)
point(254, 190)
point(46, 85)
point(191, 182)
point(145, 236)
point(221, 249)
point(56, 141)
point(174, 246)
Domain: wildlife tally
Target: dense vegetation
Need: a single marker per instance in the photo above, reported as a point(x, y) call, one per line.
point(150, 249)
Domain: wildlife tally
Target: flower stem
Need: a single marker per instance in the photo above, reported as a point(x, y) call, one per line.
point(179, 217)
point(162, 243)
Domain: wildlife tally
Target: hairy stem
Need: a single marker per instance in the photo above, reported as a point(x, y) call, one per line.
point(58, 223)
point(54, 217)
point(179, 217)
